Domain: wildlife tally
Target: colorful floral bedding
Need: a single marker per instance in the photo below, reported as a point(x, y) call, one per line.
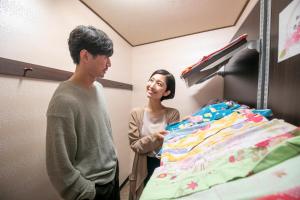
point(197, 158)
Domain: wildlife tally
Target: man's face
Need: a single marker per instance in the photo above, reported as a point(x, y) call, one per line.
point(98, 65)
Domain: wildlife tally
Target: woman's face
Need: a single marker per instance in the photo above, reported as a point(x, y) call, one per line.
point(156, 87)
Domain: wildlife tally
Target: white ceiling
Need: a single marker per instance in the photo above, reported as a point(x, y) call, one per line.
point(145, 21)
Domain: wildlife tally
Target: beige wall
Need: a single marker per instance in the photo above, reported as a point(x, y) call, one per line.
point(36, 31)
point(176, 54)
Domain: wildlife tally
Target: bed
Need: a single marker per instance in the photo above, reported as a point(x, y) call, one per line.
point(232, 153)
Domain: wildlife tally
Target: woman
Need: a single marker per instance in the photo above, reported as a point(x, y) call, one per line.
point(146, 129)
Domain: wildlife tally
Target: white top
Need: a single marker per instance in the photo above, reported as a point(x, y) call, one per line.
point(152, 125)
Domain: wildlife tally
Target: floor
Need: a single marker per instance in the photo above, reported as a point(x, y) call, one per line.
point(124, 193)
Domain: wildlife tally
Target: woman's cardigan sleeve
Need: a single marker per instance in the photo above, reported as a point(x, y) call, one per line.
point(141, 145)
point(146, 144)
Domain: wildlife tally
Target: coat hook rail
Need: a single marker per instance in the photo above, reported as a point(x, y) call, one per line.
point(26, 69)
point(22, 69)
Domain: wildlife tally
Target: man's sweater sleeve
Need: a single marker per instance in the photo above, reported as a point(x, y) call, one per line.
point(60, 156)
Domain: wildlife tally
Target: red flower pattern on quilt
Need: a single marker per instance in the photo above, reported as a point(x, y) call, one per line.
point(238, 157)
point(254, 117)
point(192, 185)
point(231, 159)
point(291, 194)
point(274, 140)
point(163, 175)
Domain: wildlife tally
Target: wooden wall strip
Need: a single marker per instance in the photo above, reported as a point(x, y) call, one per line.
point(18, 68)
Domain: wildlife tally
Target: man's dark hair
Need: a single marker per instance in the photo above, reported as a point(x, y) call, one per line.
point(170, 81)
point(95, 41)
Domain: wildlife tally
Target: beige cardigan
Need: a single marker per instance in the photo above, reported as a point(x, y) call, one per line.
point(141, 146)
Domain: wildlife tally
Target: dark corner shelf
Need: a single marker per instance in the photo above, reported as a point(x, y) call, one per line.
point(210, 67)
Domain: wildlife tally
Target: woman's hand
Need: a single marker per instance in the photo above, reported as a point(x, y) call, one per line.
point(160, 135)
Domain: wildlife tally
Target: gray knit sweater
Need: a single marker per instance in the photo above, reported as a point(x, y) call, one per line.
point(79, 144)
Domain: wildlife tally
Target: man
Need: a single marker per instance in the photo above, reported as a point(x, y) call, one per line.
point(80, 156)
